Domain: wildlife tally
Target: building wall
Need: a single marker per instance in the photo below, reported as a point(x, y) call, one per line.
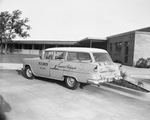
point(93, 43)
point(142, 46)
point(27, 51)
point(120, 54)
point(147, 29)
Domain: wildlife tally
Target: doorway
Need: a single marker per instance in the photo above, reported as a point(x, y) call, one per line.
point(126, 57)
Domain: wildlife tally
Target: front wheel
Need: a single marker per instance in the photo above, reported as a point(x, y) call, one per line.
point(71, 83)
point(28, 73)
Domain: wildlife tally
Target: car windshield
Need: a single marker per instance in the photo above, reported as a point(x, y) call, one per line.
point(102, 57)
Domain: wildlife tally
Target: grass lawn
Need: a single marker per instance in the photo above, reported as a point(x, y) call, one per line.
point(14, 58)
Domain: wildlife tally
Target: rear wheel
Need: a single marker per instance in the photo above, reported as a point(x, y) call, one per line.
point(28, 73)
point(71, 83)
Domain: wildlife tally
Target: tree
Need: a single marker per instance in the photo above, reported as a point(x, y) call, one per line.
point(11, 26)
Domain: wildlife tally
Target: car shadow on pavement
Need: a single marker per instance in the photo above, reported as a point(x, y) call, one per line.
point(61, 83)
point(20, 72)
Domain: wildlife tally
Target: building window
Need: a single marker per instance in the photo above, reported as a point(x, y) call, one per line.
point(27, 46)
point(36, 47)
point(18, 46)
point(110, 47)
point(126, 48)
point(118, 46)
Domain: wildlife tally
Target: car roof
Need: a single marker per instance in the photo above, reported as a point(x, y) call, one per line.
point(76, 49)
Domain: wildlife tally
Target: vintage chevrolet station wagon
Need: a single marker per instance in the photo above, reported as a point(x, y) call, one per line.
point(73, 65)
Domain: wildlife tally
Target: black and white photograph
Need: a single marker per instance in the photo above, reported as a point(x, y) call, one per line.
point(74, 59)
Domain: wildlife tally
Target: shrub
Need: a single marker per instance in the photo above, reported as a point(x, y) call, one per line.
point(143, 63)
point(123, 75)
point(148, 62)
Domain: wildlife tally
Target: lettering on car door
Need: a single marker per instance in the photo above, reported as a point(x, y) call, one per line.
point(44, 64)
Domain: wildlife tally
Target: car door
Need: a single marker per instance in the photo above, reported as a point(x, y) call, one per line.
point(43, 65)
point(57, 65)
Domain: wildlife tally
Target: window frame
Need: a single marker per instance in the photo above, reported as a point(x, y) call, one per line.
point(118, 47)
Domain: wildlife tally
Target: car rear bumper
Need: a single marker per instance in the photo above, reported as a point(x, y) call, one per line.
point(103, 80)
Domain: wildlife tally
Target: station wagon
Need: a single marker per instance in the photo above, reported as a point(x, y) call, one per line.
point(73, 65)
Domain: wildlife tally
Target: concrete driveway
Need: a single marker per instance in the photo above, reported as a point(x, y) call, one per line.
point(43, 99)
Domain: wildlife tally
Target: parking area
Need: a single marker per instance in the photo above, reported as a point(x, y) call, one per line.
point(44, 99)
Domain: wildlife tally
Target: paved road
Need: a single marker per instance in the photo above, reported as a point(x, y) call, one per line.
point(43, 99)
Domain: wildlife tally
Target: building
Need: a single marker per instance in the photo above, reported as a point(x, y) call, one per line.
point(125, 48)
point(128, 47)
point(93, 42)
point(36, 47)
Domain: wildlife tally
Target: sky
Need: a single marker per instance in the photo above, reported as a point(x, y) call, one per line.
point(78, 19)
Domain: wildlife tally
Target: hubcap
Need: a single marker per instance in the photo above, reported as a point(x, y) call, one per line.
point(29, 72)
point(71, 81)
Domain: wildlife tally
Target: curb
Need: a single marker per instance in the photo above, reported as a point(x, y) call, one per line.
point(128, 92)
point(11, 66)
point(143, 82)
point(140, 76)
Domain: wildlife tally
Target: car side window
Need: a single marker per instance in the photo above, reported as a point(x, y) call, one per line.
point(72, 56)
point(84, 57)
point(79, 56)
point(59, 55)
point(48, 55)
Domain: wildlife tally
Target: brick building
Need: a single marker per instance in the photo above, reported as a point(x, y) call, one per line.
point(128, 47)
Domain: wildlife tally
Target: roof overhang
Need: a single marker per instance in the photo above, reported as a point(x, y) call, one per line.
point(88, 39)
point(146, 30)
point(45, 42)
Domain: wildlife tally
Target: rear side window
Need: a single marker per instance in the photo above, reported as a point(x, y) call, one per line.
point(102, 57)
point(79, 56)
